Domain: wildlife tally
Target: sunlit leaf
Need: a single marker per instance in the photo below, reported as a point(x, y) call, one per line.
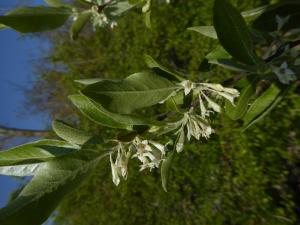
point(36, 152)
point(69, 133)
point(208, 31)
point(43, 193)
point(103, 117)
point(36, 19)
point(136, 91)
point(56, 3)
point(20, 170)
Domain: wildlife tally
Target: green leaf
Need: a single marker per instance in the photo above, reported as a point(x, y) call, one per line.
point(165, 170)
point(36, 19)
point(89, 81)
point(103, 117)
point(147, 19)
point(53, 181)
point(218, 53)
point(21, 170)
point(2, 26)
point(233, 65)
point(175, 102)
point(208, 31)
point(267, 20)
point(69, 133)
point(151, 63)
point(263, 105)
point(136, 91)
point(132, 2)
point(114, 11)
point(238, 111)
point(254, 12)
point(79, 23)
point(36, 152)
point(56, 3)
point(269, 109)
point(233, 33)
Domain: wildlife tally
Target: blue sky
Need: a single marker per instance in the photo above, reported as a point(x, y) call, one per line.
point(18, 55)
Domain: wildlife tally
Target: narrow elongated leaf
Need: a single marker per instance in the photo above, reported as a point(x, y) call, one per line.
point(233, 33)
point(268, 109)
point(132, 2)
point(115, 10)
point(261, 104)
point(218, 53)
point(165, 170)
point(56, 3)
point(36, 152)
point(208, 31)
point(233, 65)
point(88, 81)
point(254, 12)
point(79, 23)
point(53, 181)
point(136, 91)
point(21, 170)
point(69, 133)
point(151, 63)
point(103, 117)
point(36, 19)
point(238, 111)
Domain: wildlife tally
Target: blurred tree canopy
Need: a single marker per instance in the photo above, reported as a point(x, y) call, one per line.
point(236, 178)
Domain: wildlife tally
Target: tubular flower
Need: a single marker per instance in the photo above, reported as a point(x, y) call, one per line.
point(150, 153)
point(208, 94)
point(119, 167)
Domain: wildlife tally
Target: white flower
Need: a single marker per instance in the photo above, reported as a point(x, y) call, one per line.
point(180, 141)
point(284, 74)
point(188, 86)
point(211, 104)
point(113, 24)
point(150, 153)
point(119, 167)
point(147, 6)
point(229, 93)
point(196, 127)
point(114, 171)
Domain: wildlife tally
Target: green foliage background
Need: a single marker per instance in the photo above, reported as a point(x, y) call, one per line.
point(234, 178)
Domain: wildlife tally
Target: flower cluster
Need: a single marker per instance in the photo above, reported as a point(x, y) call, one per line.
point(204, 91)
point(198, 125)
point(119, 166)
point(99, 19)
point(192, 124)
point(149, 153)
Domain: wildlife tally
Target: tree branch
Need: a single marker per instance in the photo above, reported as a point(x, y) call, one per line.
point(17, 132)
